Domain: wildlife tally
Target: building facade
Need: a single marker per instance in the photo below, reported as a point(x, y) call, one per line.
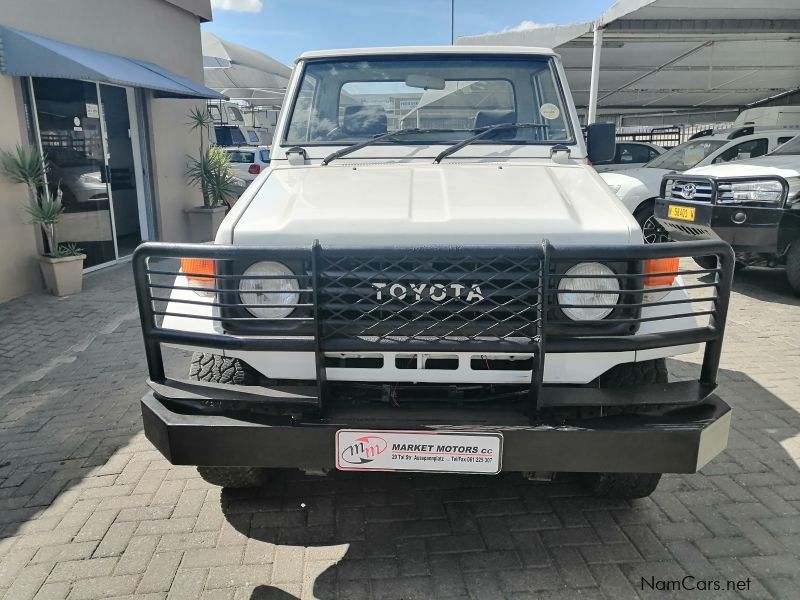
point(103, 88)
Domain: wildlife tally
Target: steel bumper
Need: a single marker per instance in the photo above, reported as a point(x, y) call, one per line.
point(681, 441)
point(746, 229)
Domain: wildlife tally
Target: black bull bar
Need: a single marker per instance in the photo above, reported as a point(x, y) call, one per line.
point(519, 311)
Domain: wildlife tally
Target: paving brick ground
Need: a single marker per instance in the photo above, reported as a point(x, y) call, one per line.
point(88, 509)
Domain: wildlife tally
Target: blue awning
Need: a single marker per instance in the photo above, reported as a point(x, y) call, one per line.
point(27, 54)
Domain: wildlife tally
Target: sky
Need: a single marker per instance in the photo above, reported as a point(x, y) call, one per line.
point(284, 29)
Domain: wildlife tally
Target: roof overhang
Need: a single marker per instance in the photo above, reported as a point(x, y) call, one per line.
point(668, 54)
point(27, 54)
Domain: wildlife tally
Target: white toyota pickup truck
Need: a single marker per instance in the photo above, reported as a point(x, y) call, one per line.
point(431, 277)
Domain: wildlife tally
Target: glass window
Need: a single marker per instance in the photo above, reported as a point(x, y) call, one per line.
point(253, 136)
point(783, 140)
point(228, 136)
point(792, 147)
point(264, 155)
point(342, 102)
point(686, 155)
point(235, 114)
point(300, 125)
point(237, 156)
point(748, 149)
point(632, 153)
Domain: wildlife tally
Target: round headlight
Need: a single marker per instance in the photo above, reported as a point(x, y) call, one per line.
point(600, 290)
point(273, 285)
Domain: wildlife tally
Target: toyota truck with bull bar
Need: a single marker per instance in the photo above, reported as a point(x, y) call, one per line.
point(754, 205)
point(431, 277)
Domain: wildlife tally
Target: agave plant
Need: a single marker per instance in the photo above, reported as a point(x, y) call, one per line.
point(212, 173)
point(45, 213)
point(68, 249)
point(24, 166)
point(28, 167)
point(200, 119)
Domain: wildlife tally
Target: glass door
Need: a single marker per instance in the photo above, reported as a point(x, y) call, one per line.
point(121, 168)
point(87, 133)
point(68, 115)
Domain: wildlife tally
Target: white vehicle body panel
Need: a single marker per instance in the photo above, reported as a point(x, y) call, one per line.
point(399, 204)
point(634, 186)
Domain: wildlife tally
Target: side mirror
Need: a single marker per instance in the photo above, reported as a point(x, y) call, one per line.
point(601, 142)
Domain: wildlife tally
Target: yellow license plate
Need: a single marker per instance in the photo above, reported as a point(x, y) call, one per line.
point(684, 213)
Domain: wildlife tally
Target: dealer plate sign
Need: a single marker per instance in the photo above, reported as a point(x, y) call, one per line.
point(441, 452)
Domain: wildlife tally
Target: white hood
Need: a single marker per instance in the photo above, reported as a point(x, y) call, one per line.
point(402, 204)
point(783, 165)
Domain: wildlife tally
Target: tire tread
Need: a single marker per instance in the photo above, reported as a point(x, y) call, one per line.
point(793, 266)
point(220, 369)
point(235, 477)
point(635, 374)
point(628, 486)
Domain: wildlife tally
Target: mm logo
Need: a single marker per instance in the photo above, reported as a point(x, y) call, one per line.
point(363, 450)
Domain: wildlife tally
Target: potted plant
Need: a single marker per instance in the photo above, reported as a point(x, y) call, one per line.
point(61, 264)
point(212, 173)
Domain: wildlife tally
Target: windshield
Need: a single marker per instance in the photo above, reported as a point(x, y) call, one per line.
point(790, 147)
point(343, 102)
point(685, 156)
point(237, 156)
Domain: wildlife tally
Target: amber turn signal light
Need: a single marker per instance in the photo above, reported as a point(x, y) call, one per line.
point(660, 265)
point(199, 270)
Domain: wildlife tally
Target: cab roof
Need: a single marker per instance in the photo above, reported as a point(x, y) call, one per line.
point(461, 49)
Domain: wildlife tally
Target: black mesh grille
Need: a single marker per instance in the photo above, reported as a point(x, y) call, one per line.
point(430, 297)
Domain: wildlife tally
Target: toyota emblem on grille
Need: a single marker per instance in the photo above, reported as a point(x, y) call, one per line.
point(688, 190)
point(438, 292)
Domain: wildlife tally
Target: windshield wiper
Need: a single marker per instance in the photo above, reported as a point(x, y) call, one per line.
point(483, 132)
point(382, 136)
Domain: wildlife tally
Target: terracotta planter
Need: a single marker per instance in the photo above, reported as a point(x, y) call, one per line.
point(62, 276)
point(204, 222)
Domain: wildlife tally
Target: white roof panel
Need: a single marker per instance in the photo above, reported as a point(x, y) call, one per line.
point(460, 49)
